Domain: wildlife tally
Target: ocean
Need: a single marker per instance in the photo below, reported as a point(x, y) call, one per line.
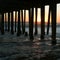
point(21, 48)
point(38, 28)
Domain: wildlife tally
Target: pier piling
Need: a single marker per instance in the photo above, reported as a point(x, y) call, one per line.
point(24, 20)
point(53, 8)
point(42, 21)
point(15, 20)
point(36, 21)
point(12, 31)
point(2, 24)
point(48, 24)
point(8, 21)
point(19, 28)
point(31, 24)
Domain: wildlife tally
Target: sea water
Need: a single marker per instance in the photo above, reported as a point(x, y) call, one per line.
point(11, 50)
point(38, 28)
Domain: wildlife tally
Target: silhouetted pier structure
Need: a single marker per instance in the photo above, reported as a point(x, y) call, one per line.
point(24, 20)
point(15, 20)
point(36, 32)
point(16, 5)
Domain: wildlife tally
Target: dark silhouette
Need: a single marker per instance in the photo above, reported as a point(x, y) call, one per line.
point(15, 19)
point(26, 34)
point(8, 21)
point(20, 5)
point(42, 22)
point(48, 22)
point(24, 21)
point(53, 12)
point(18, 29)
point(12, 31)
point(36, 22)
point(2, 24)
point(31, 24)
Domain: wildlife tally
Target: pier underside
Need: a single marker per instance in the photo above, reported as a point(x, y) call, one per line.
point(16, 43)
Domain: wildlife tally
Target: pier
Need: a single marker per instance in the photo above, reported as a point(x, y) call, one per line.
point(19, 31)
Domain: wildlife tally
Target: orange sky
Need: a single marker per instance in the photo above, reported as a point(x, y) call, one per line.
point(46, 14)
point(58, 13)
point(39, 14)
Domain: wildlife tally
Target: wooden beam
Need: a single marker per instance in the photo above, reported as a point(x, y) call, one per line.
point(19, 27)
point(8, 21)
point(5, 23)
point(24, 20)
point(12, 31)
point(2, 24)
point(53, 9)
point(15, 19)
point(42, 22)
point(31, 24)
point(48, 21)
point(36, 21)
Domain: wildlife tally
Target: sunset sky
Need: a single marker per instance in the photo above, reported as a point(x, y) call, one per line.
point(39, 14)
point(46, 14)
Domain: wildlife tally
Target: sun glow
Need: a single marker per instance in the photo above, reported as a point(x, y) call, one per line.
point(46, 13)
point(27, 15)
point(38, 15)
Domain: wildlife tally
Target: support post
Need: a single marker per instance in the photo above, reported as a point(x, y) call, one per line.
point(8, 21)
point(5, 27)
point(36, 22)
point(48, 21)
point(19, 27)
point(31, 24)
point(24, 21)
point(42, 22)
point(12, 31)
point(0, 21)
point(2, 24)
point(15, 20)
point(53, 9)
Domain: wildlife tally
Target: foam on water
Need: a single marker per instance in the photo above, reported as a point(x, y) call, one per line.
point(12, 46)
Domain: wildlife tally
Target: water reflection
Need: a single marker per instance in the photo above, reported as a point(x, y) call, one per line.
point(25, 49)
point(43, 51)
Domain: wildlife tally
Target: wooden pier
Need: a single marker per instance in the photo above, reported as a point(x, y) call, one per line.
point(16, 5)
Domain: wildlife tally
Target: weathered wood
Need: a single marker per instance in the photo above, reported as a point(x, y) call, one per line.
point(53, 9)
point(8, 21)
point(24, 4)
point(15, 20)
point(48, 24)
point(19, 28)
point(2, 24)
point(36, 21)
point(24, 21)
point(5, 24)
point(31, 24)
point(12, 31)
point(42, 22)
